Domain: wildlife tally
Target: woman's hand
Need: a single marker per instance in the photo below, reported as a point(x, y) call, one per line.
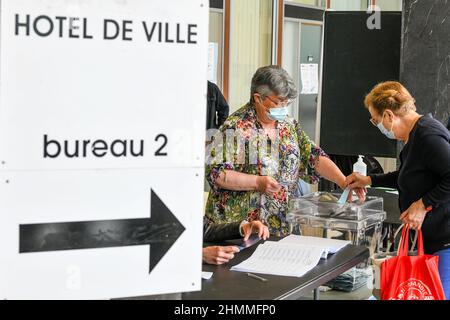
point(356, 180)
point(328, 169)
point(414, 215)
point(255, 227)
point(361, 193)
point(267, 184)
point(219, 254)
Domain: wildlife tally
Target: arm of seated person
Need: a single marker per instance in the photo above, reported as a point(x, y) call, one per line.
point(233, 230)
point(247, 228)
point(219, 254)
point(222, 254)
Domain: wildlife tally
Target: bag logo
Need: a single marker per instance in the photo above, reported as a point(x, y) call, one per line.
point(413, 289)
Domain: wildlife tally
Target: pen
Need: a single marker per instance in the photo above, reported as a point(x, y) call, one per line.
point(251, 275)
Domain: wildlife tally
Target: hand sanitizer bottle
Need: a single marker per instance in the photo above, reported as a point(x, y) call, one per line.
point(360, 167)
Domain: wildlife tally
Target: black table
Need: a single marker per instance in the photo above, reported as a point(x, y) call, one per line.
point(233, 285)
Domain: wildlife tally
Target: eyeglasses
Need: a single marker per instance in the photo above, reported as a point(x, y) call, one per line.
point(281, 103)
point(372, 120)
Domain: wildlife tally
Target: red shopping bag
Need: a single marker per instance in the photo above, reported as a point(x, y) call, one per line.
point(411, 277)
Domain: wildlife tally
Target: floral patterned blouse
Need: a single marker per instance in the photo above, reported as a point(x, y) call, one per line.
point(296, 159)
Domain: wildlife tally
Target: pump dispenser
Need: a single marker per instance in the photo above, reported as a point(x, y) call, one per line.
point(360, 167)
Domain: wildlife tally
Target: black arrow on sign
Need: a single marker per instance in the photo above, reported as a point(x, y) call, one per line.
point(160, 231)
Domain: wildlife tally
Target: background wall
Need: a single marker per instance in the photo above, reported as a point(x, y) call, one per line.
point(349, 5)
point(251, 41)
point(389, 5)
point(425, 61)
point(250, 46)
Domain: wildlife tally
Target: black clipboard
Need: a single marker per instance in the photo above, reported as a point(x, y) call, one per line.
point(241, 244)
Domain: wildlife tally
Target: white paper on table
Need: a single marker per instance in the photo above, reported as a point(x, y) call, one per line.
point(283, 259)
point(329, 245)
point(309, 73)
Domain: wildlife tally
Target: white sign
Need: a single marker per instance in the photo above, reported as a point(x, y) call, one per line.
point(101, 147)
point(102, 91)
point(309, 74)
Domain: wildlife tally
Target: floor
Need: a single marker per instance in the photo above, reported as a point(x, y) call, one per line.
point(363, 293)
point(360, 294)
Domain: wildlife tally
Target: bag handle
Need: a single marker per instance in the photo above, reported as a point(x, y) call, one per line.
point(420, 249)
point(388, 249)
point(404, 242)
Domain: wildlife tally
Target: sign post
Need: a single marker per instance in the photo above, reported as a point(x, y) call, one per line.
point(102, 111)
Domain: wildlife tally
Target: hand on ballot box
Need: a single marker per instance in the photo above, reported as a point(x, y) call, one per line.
point(358, 183)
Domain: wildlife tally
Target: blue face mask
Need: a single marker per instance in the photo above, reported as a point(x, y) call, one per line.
point(278, 114)
point(388, 133)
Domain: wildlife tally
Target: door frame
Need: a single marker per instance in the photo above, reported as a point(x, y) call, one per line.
point(224, 8)
point(301, 21)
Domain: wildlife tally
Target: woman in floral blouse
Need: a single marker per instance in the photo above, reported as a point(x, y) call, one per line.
point(259, 154)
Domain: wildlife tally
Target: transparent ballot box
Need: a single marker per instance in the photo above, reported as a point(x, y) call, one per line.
point(318, 214)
